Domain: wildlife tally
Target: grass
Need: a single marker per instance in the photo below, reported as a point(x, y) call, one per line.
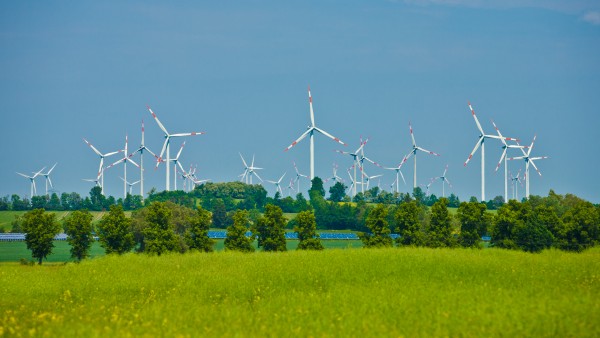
point(411, 292)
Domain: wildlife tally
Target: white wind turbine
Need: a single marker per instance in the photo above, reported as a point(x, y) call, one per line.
point(480, 142)
point(444, 181)
point(126, 157)
point(505, 147)
point(413, 153)
point(352, 181)
point(175, 163)
point(310, 131)
point(32, 181)
point(141, 151)
point(96, 181)
point(130, 184)
point(298, 176)
point(514, 180)
point(249, 170)
point(357, 158)
point(47, 177)
point(335, 176)
point(529, 160)
point(278, 184)
point(398, 173)
point(368, 178)
point(100, 175)
point(290, 187)
point(165, 146)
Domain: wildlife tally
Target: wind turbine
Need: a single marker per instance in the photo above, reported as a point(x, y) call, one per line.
point(529, 160)
point(278, 184)
point(130, 184)
point(503, 157)
point(310, 131)
point(32, 180)
point(298, 176)
point(100, 175)
point(413, 153)
point(357, 158)
point(126, 157)
point(290, 187)
point(398, 173)
point(480, 142)
point(444, 181)
point(97, 181)
point(141, 151)
point(165, 146)
point(369, 178)
point(249, 171)
point(335, 177)
point(514, 180)
point(175, 163)
point(47, 176)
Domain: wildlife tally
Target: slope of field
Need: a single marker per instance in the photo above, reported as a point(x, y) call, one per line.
point(390, 292)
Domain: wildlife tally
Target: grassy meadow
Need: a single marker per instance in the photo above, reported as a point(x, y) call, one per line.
point(411, 292)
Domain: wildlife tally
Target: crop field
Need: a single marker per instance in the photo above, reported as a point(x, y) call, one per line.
point(412, 292)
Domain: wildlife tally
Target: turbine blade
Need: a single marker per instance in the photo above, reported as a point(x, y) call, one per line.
point(299, 139)
point(427, 151)
point(501, 158)
point(479, 142)
point(160, 125)
point(476, 120)
point(93, 148)
point(188, 134)
point(412, 135)
point(312, 113)
point(330, 136)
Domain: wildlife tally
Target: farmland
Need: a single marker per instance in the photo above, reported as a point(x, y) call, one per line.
point(380, 292)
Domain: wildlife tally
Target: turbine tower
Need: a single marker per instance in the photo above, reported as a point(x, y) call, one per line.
point(47, 176)
point(529, 160)
point(505, 147)
point(514, 180)
point(32, 181)
point(130, 184)
point(100, 175)
point(141, 151)
point(480, 142)
point(413, 153)
point(356, 159)
point(398, 173)
point(249, 170)
point(278, 184)
point(444, 181)
point(165, 146)
point(310, 131)
point(298, 176)
point(126, 157)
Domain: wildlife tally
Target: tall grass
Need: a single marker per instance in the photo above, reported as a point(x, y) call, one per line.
point(409, 292)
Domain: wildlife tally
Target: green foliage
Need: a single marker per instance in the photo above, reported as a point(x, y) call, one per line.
point(159, 235)
point(40, 228)
point(114, 231)
point(579, 229)
point(472, 217)
point(508, 218)
point(419, 195)
point(78, 226)
point(518, 226)
point(219, 214)
point(379, 227)
point(408, 225)
point(316, 188)
point(306, 227)
point(236, 233)
point(196, 236)
point(270, 229)
point(439, 233)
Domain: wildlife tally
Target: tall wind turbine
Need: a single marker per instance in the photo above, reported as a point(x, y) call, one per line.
point(126, 157)
point(298, 176)
point(368, 178)
point(100, 175)
point(278, 184)
point(175, 163)
point(505, 147)
point(290, 187)
point(444, 181)
point(335, 176)
point(130, 184)
point(413, 153)
point(529, 160)
point(398, 173)
point(310, 131)
point(358, 158)
point(165, 146)
point(249, 170)
point(141, 151)
point(514, 180)
point(32, 181)
point(480, 142)
point(47, 176)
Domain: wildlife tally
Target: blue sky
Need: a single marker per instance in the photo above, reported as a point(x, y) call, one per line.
point(239, 71)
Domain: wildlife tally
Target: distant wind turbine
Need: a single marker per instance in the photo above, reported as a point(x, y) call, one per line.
point(413, 153)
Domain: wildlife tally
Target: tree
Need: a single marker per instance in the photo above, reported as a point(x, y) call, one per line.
point(96, 198)
point(419, 195)
point(196, 236)
point(40, 229)
point(270, 229)
point(379, 227)
point(439, 233)
point(579, 229)
point(54, 202)
point(114, 231)
point(337, 192)
point(471, 216)
point(306, 227)
point(533, 236)
point(408, 225)
point(78, 226)
point(236, 233)
point(316, 188)
point(159, 235)
point(219, 214)
point(507, 219)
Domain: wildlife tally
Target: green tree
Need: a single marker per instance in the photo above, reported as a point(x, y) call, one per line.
point(270, 229)
point(379, 227)
point(337, 192)
point(306, 227)
point(408, 225)
point(236, 239)
point(579, 229)
point(97, 199)
point(508, 218)
point(532, 236)
point(219, 214)
point(78, 226)
point(40, 229)
point(159, 234)
point(471, 216)
point(196, 236)
point(114, 231)
point(316, 187)
point(419, 195)
point(439, 233)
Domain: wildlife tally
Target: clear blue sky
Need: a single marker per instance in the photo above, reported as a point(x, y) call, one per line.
point(239, 70)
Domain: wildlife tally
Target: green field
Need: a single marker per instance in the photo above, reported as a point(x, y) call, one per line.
point(411, 292)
